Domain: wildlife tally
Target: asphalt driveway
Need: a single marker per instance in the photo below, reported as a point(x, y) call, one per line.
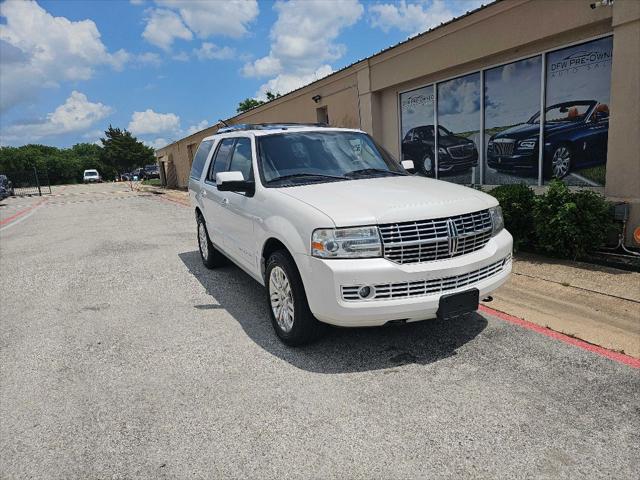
point(121, 356)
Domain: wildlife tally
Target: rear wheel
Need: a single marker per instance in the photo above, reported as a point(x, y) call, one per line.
point(211, 258)
point(290, 314)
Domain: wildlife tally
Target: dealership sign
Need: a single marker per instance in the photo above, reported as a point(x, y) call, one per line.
point(581, 60)
point(417, 100)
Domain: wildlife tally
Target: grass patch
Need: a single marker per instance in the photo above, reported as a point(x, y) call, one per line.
point(596, 174)
point(152, 181)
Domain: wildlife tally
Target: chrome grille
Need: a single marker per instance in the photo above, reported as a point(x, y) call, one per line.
point(419, 288)
point(503, 146)
point(426, 240)
point(461, 151)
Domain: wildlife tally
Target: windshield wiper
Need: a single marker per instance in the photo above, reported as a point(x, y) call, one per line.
point(370, 171)
point(307, 175)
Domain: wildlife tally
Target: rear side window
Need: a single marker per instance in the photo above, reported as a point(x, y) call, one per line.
point(200, 159)
point(221, 160)
point(241, 159)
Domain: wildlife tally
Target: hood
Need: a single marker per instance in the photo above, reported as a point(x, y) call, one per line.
point(389, 199)
point(528, 130)
point(452, 140)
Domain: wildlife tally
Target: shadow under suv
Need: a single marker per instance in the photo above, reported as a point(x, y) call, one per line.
point(575, 137)
point(455, 153)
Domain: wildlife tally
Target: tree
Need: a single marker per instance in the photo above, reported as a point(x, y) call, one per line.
point(249, 103)
point(123, 152)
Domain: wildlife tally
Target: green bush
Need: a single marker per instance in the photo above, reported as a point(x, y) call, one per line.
point(570, 224)
point(517, 202)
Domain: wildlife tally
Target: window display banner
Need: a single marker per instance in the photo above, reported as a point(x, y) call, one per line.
point(577, 113)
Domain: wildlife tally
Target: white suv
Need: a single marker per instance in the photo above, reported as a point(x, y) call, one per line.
point(339, 232)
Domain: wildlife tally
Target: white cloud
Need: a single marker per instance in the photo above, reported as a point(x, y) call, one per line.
point(181, 57)
point(195, 128)
point(149, 58)
point(157, 143)
point(210, 51)
point(153, 122)
point(288, 82)
point(163, 27)
point(419, 16)
point(303, 42)
point(39, 50)
point(76, 114)
point(208, 18)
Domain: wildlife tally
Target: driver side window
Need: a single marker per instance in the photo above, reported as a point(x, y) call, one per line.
point(221, 160)
point(241, 158)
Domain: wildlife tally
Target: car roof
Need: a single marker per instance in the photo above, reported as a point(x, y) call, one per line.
point(277, 129)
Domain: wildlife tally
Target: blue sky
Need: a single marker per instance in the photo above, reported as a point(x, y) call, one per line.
point(166, 68)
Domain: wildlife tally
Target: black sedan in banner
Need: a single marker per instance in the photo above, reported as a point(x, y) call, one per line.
point(575, 137)
point(455, 153)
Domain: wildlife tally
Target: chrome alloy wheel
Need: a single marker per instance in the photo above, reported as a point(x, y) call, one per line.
point(561, 162)
point(281, 299)
point(203, 240)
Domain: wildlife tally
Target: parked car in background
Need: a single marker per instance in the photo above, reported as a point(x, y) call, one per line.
point(575, 137)
point(138, 174)
point(126, 177)
point(339, 232)
point(455, 153)
point(6, 187)
point(91, 176)
point(151, 171)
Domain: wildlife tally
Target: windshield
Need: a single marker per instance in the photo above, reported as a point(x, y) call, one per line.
point(565, 112)
point(311, 157)
point(90, 174)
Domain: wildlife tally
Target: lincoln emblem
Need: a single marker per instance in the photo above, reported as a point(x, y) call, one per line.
point(452, 232)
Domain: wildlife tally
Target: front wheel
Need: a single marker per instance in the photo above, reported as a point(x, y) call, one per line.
point(426, 165)
point(561, 161)
point(290, 314)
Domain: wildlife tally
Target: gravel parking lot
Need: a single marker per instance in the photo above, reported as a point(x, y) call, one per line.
point(122, 357)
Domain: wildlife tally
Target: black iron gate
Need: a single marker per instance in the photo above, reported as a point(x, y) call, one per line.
point(30, 182)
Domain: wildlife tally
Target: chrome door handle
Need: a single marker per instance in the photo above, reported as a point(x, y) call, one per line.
point(203, 193)
point(225, 202)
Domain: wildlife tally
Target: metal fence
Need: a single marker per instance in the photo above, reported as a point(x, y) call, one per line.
point(30, 182)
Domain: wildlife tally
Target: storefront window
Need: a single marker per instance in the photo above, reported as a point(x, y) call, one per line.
point(577, 113)
point(459, 129)
point(511, 121)
point(417, 129)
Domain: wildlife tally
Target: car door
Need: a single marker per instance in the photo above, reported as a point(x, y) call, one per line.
point(212, 198)
point(239, 207)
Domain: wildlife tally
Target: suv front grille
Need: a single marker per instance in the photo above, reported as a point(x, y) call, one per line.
point(426, 240)
point(461, 151)
point(419, 288)
point(502, 146)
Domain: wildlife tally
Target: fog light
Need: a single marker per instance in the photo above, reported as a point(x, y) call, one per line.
point(365, 292)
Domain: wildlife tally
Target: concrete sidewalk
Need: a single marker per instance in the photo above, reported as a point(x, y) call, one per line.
point(596, 304)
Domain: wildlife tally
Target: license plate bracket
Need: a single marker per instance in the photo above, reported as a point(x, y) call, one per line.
point(457, 304)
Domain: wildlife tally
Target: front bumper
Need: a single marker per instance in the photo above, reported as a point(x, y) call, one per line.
point(516, 161)
point(324, 279)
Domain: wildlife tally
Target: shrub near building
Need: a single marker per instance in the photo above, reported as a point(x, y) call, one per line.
point(559, 223)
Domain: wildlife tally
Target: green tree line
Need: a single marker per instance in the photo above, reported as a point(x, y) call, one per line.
point(120, 152)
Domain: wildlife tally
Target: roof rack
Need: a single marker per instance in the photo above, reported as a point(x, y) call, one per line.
point(267, 126)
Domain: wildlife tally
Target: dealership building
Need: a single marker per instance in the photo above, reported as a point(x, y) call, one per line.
point(463, 100)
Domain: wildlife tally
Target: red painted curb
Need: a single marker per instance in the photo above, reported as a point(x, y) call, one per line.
point(603, 352)
point(20, 213)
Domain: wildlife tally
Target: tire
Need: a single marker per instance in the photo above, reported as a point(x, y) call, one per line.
point(426, 164)
point(285, 293)
point(210, 256)
point(561, 160)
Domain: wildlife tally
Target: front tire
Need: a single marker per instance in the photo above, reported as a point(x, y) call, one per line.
point(561, 161)
point(426, 165)
point(211, 257)
point(290, 314)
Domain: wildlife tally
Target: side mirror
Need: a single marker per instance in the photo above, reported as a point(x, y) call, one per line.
point(234, 182)
point(408, 166)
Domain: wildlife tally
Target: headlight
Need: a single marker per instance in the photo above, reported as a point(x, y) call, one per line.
point(528, 144)
point(442, 151)
point(346, 242)
point(496, 220)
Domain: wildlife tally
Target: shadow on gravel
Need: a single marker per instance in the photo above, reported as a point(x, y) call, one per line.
point(341, 350)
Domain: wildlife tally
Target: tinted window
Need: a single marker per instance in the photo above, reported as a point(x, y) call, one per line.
point(200, 159)
point(241, 159)
point(221, 160)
